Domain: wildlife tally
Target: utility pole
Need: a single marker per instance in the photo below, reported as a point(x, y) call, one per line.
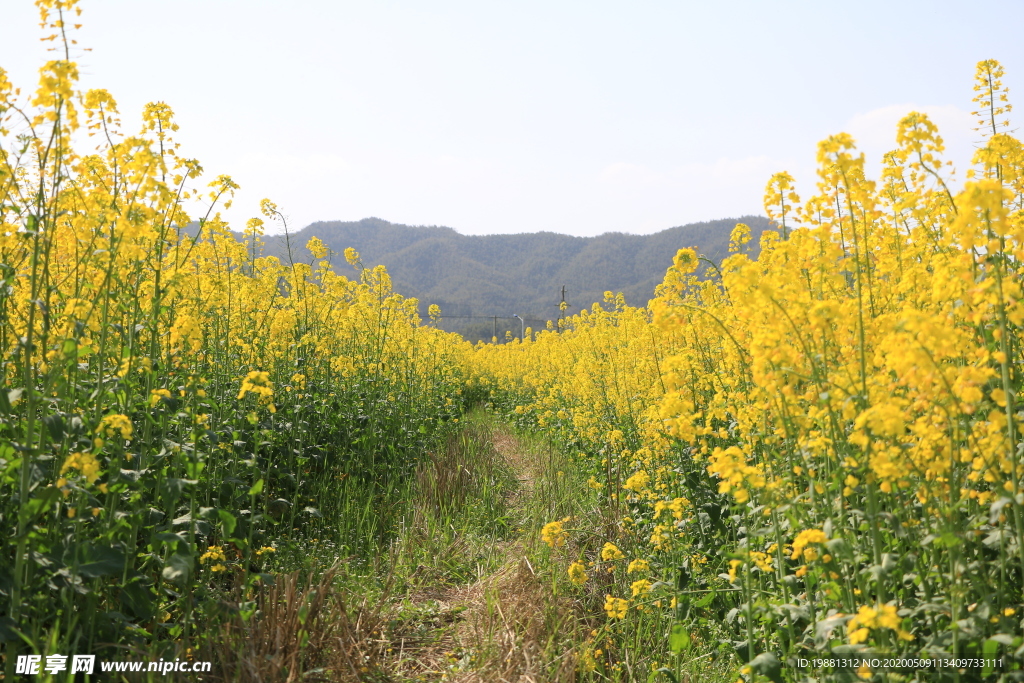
point(561, 309)
point(494, 335)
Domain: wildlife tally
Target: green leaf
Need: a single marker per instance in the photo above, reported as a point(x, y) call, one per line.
point(172, 538)
point(256, 488)
point(767, 664)
point(195, 469)
point(948, 540)
point(178, 569)
point(1004, 638)
point(706, 600)
point(678, 638)
point(9, 632)
point(663, 670)
point(171, 490)
point(839, 546)
point(42, 500)
point(990, 650)
point(228, 520)
point(138, 600)
point(102, 562)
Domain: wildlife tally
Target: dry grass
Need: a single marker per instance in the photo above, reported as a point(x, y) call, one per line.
point(420, 637)
point(505, 628)
point(316, 633)
point(518, 631)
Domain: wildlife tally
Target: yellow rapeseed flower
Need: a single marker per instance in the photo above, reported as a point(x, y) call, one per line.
point(638, 482)
point(85, 463)
point(611, 552)
point(577, 573)
point(116, 424)
point(553, 534)
point(257, 382)
point(868, 617)
point(805, 538)
point(638, 565)
point(615, 608)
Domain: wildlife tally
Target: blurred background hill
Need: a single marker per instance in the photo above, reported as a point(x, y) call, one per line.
point(482, 281)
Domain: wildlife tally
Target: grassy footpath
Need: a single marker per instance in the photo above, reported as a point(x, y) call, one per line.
point(467, 591)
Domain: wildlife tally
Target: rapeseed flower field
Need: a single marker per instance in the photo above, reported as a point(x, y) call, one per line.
point(808, 454)
point(817, 450)
point(174, 404)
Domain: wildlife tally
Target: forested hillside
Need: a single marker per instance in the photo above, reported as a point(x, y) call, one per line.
point(502, 275)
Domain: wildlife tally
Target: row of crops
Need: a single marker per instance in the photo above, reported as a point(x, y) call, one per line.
point(816, 451)
point(176, 409)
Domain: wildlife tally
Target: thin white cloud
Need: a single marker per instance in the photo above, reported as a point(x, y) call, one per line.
point(875, 131)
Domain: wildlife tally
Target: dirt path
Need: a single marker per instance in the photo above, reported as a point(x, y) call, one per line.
point(496, 628)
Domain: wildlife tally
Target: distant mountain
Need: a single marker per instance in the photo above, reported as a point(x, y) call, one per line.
point(476, 277)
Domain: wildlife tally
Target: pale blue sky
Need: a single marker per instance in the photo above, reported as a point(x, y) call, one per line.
point(496, 117)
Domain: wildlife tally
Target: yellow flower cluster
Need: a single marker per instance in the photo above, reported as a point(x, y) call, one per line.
point(257, 382)
point(214, 556)
point(735, 475)
point(112, 425)
point(85, 463)
point(615, 608)
point(577, 573)
point(804, 539)
point(870, 618)
point(156, 395)
point(610, 552)
point(638, 565)
point(553, 534)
